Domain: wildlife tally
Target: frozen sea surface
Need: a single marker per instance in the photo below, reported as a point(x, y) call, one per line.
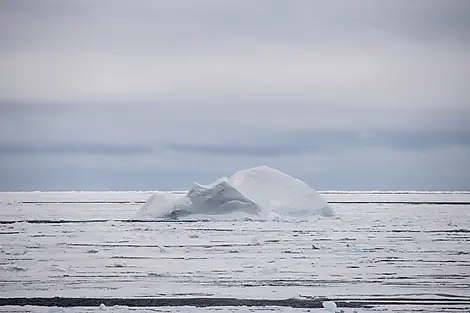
point(401, 252)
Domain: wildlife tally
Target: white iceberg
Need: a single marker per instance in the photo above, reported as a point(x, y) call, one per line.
point(260, 191)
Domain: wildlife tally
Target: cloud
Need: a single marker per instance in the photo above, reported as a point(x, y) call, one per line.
point(299, 85)
point(261, 150)
point(364, 168)
point(365, 54)
point(74, 148)
point(397, 139)
point(96, 178)
point(328, 141)
point(421, 140)
point(279, 65)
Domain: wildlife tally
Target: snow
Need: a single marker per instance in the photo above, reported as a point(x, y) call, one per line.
point(260, 191)
point(229, 309)
point(142, 196)
point(419, 251)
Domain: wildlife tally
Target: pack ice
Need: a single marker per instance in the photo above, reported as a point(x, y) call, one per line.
point(260, 191)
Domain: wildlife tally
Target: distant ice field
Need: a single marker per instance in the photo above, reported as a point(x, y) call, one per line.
point(395, 245)
point(123, 205)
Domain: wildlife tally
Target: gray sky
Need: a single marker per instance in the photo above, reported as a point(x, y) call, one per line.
point(108, 95)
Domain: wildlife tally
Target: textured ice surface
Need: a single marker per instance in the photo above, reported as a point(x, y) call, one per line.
point(414, 251)
point(260, 191)
point(242, 309)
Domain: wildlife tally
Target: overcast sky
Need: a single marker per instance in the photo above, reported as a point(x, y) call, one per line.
point(153, 95)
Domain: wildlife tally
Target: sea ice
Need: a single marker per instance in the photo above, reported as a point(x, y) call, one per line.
point(260, 191)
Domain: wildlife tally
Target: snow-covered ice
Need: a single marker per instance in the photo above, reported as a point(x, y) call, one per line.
point(242, 309)
point(368, 251)
point(260, 191)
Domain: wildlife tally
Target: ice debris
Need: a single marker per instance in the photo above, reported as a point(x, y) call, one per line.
point(260, 191)
point(330, 306)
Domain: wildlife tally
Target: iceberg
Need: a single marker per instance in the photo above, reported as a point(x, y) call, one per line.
point(260, 191)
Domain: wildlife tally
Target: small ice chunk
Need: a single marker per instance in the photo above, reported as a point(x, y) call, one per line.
point(255, 242)
point(364, 249)
point(330, 306)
